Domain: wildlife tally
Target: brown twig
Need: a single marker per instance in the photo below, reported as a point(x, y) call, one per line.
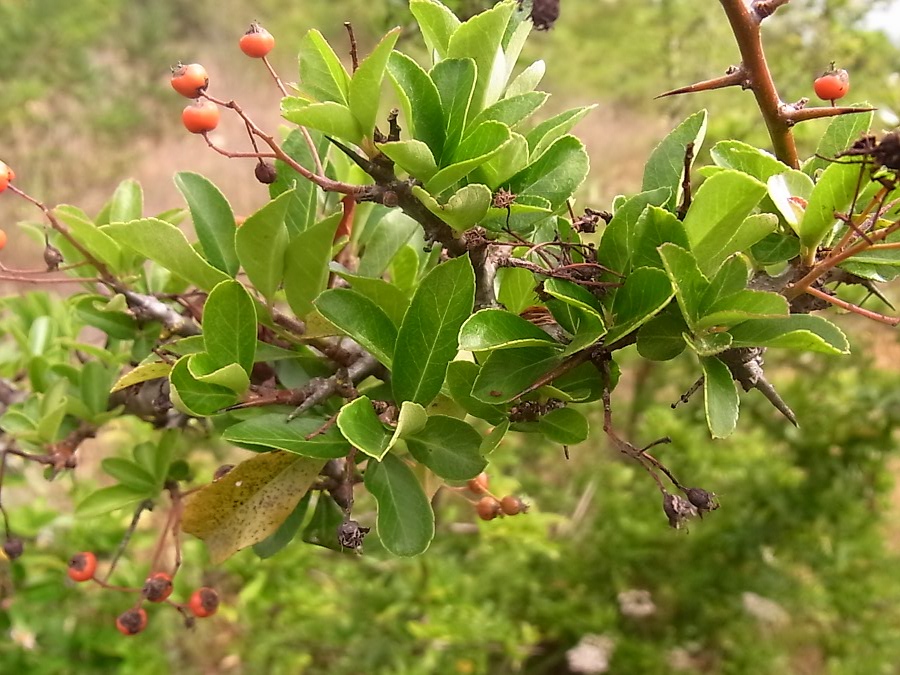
point(856, 309)
point(354, 53)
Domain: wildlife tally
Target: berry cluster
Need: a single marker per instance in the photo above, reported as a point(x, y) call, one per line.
point(157, 588)
point(489, 507)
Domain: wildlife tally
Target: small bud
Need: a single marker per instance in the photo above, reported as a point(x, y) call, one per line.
point(265, 172)
point(52, 258)
point(13, 548)
point(703, 500)
point(678, 510)
point(351, 535)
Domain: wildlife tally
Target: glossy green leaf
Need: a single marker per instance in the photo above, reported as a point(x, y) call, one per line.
point(99, 242)
point(833, 194)
point(492, 439)
point(365, 84)
point(130, 474)
point(303, 209)
point(660, 339)
point(721, 400)
point(166, 245)
point(528, 79)
point(575, 295)
point(512, 110)
point(383, 239)
point(360, 425)
point(448, 446)
point(306, 261)
point(665, 168)
point(412, 156)
point(556, 174)
point(91, 309)
point(465, 209)
point(655, 227)
point(474, 150)
point(229, 326)
point(387, 296)
point(360, 318)
point(427, 340)
point(109, 499)
point(232, 376)
point(461, 376)
point(564, 425)
point(517, 289)
point(743, 157)
point(619, 237)
point(455, 82)
point(142, 373)
point(127, 202)
point(194, 397)
point(323, 525)
point(687, 280)
point(437, 24)
point(842, 131)
point(421, 101)
point(506, 373)
point(322, 76)
point(96, 380)
point(775, 248)
point(718, 209)
point(798, 331)
point(509, 160)
point(405, 520)
point(213, 220)
point(273, 431)
point(550, 130)
point(713, 250)
point(332, 119)
point(790, 191)
point(645, 292)
point(261, 244)
point(498, 329)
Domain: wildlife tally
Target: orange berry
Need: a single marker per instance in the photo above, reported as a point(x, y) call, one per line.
point(200, 117)
point(189, 80)
point(512, 506)
point(132, 622)
point(832, 85)
point(257, 41)
point(157, 587)
point(488, 508)
point(204, 602)
point(479, 484)
point(6, 176)
point(82, 566)
point(2, 240)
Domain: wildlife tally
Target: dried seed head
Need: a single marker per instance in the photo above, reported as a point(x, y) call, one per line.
point(13, 548)
point(887, 154)
point(351, 535)
point(678, 510)
point(52, 258)
point(703, 500)
point(265, 172)
point(544, 13)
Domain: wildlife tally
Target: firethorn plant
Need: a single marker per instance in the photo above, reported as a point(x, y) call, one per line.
point(419, 286)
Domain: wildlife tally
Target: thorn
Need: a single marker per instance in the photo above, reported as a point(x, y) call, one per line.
point(794, 115)
point(733, 78)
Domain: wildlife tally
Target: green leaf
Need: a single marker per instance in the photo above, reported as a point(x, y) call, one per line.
point(273, 431)
point(405, 520)
point(427, 340)
point(498, 329)
point(713, 251)
point(516, 289)
point(493, 439)
point(95, 383)
point(204, 370)
point(655, 227)
point(465, 209)
point(718, 209)
point(127, 202)
point(798, 331)
point(509, 160)
point(775, 248)
point(506, 373)
point(833, 194)
point(480, 38)
point(511, 111)
point(784, 189)
point(455, 82)
point(421, 101)
point(109, 499)
point(564, 425)
point(365, 85)
point(213, 220)
point(167, 246)
point(645, 292)
point(575, 295)
point(437, 24)
point(387, 296)
point(285, 533)
point(249, 503)
point(360, 318)
point(91, 309)
point(528, 79)
point(323, 526)
point(740, 156)
point(461, 376)
point(360, 425)
point(323, 77)
point(383, 240)
point(550, 130)
point(556, 174)
point(474, 150)
point(306, 261)
point(619, 237)
point(130, 474)
point(332, 119)
point(261, 244)
point(665, 168)
point(142, 373)
point(720, 397)
point(411, 420)
point(449, 447)
point(97, 241)
point(660, 339)
point(304, 207)
point(840, 134)
point(688, 281)
point(708, 344)
point(194, 397)
point(229, 326)
point(413, 156)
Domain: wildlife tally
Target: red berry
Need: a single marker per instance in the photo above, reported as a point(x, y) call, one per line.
point(479, 484)
point(200, 117)
point(132, 622)
point(2, 240)
point(204, 602)
point(82, 566)
point(832, 85)
point(190, 80)
point(257, 42)
point(512, 505)
point(488, 508)
point(157, 587)
point(6, 176)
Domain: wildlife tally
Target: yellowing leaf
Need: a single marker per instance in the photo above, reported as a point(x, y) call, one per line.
point(249, 503)
point(143, 373)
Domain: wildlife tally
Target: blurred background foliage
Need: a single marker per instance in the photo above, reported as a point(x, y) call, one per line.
point(795, 574)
